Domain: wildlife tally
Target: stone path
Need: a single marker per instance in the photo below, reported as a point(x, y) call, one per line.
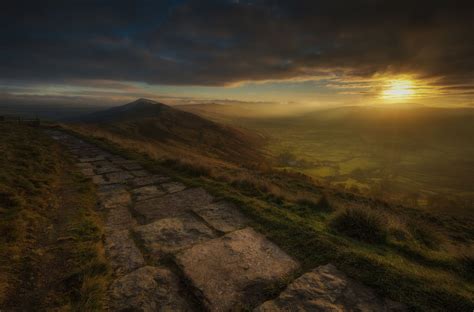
point(174, 248)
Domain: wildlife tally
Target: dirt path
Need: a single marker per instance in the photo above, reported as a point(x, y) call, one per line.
point(176, 248)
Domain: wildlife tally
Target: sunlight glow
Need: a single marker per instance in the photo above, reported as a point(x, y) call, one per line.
point(398, 90)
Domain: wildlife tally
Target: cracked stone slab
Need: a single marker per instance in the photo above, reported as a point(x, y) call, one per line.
point(173, 187)
point(122, 252)
point(172, 205)
point(119, 218)
point(233, 272)
point(147, 289)
point(118, 177)
point(222, 216)
point(142, 181)
point(328, 289)
point(170, 235)
point(147, 192)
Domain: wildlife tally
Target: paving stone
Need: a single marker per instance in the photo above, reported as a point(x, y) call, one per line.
point(233, 272)
point(140, 173)
point(170, 235)
point(123, 254)
point(119, 218)
point(131, 166)
point(114, 197)
point(85, 166)
point(173, 187)
point(142, 181)
point(107, 169)
point(147, 192)
point(91, 159)
point(147, 289)
point(118, 177)
point(88, 172)
point(172, 205)
point(328, 289)
point(99, 180)
point(222, 216)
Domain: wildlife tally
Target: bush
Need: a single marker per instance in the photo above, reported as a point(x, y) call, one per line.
point(361, 224)
point(425, 235)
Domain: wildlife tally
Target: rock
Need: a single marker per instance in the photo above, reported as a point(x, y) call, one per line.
point(142, 181)
point(118, 177)
point(139, 173)
point(114, 197)
point(222, 216)
point(170, 235)
point(130, 166)
point(172, 205)
point(107, 169)
point(99, 180)
point(88, 172)
point(328, 289)
point(119, 218)
point(123, 255)
point(91, 159)
point(85, 166)
point(147, 192)
point(234, 271)
point(147, 289)
point(173, 187)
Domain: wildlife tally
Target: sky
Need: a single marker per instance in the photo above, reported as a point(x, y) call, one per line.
point(307, 52)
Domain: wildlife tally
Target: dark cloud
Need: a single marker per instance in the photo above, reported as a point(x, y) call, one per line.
point(222, 42)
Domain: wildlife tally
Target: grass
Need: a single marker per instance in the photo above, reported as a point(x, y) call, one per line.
point(286, 207)
point(361, 224)
point(51, 255)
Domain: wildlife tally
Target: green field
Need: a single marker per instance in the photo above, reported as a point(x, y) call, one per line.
point(420, 156)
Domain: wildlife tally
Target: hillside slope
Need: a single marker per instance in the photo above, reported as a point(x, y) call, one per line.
point(175, 131)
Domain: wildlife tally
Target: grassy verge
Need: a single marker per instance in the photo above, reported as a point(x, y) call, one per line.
point(51, 255)
point(418, 258)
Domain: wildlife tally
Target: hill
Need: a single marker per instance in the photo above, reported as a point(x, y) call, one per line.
point(168, 130)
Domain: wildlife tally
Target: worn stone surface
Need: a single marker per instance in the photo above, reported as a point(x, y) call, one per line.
point(119, 218)
point(147, 289)
point(91, 159)
point(122, 252)
point(99, 180)
point(232, 272)
point(88, 172)
point(222, 216)
point(85, 166)
point(118, 177)
point(328, 289)
point(113, 197)
point(172, 205)
point(147, 192)
point(139, 173)
point(130, 166)
point(173, 187)
point(142, 181)
point(107, 169)
point(170, 235)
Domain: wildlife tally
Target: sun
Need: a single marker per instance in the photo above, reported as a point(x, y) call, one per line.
point(398, 90)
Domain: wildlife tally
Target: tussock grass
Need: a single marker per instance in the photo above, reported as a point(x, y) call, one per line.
point(361, 224)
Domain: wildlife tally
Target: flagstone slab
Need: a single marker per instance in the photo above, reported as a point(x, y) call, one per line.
point(233, 272)
point(123, 254)
point(328, 289)
point(119, 218)
point(170, 235)
point(222, 216)
point(153, 179)
point(147, 289)
point(173, 187)
point(118, 177)
point(172, 205)
point(147, 192)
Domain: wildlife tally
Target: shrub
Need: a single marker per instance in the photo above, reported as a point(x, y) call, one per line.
point(425, 234)
point(361, 224)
